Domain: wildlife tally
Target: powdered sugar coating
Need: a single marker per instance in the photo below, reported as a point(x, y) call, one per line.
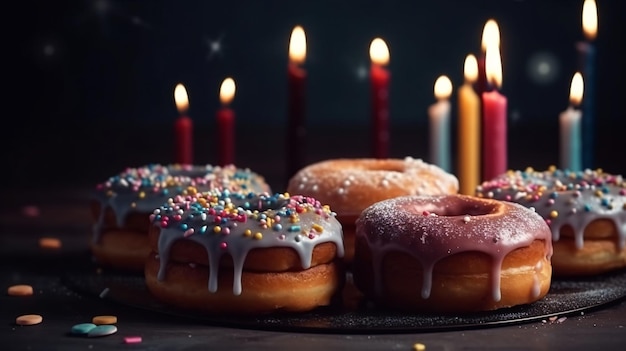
point(430, 228)
point(350, 185)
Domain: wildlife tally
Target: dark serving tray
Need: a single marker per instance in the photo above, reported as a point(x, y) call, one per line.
point(566, 297)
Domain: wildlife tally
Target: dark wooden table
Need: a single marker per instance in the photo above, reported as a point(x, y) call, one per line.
point(22, 261)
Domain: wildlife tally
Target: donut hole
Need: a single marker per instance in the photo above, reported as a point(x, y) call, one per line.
point(458, 209)
point(386, 167)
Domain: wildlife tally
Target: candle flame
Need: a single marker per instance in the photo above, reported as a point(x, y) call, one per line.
point(181, 98)
point(576, 89)
point(590, 19)
point(379, 52)
point(493, 66)
point(470, 68)
point(227, 91)
point(491, 34)
point(297, 45)
point(443, 88)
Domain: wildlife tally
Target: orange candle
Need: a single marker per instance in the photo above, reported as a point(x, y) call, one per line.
point(469, 130)
point(226, 124)
point(183, 127)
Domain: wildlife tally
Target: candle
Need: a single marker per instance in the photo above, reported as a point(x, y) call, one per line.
point(569, 121)
point(491, 36)
point(183, 127)
point(439, 119)
point(226, 124)
point(494, 118)
point(469, 130)
point(587, 58)
point(296, 126)
point(379, 78)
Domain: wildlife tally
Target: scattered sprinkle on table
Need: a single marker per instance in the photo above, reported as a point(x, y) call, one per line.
point(132, 339)
point(29, 319)
point(419, 347)
point(20, 290)
point(82, 328)
point(102, 330)
point(50, 243)
point(100, 320)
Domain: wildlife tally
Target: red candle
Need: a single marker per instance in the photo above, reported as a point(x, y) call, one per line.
point(183, 127)
point(226, 124)
point(296, 119)
point(491, 36)
point(380, 77)
point(494, 118)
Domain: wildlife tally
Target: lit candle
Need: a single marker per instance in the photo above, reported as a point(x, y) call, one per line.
point(587, 57)
point(494, 118)
point(296, 123)
point(469, 130)
point(226, 124)
point(569, 121)
point(183, 127)
point(380, 78)
point(491, 36)
point(439, 119)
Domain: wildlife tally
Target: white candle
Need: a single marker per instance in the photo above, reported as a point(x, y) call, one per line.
point(439, 120)
point(569, 121)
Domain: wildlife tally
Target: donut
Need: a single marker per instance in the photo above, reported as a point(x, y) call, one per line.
point(121, 205)
point(586, 212)
point(451, 254)
point(245, 254)
point(350, 185)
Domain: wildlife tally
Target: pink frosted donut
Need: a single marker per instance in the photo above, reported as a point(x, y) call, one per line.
point(451, 253)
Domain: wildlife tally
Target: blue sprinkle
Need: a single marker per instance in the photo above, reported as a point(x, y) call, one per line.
point(102, 330)
point(184, 226)
point(605, 202)
point(203, 229)
point(294, 228)
point(587, 208)
point(554, 195)
point(277, 227)
point(82, 328)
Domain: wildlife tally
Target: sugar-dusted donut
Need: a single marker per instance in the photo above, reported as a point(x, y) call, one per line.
point(235, 253)
point(586, 212)
point(451, 254)
point(121, 205)
point(350, 185)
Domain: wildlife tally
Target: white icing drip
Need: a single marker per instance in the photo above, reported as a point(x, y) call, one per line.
point(577, 200)
point(403, 225)
point(145, 188)
point(237, 244)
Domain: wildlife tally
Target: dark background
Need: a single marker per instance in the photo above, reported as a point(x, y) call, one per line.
point(92, 89)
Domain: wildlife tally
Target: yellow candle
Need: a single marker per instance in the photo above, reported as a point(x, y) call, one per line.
point(469, 130)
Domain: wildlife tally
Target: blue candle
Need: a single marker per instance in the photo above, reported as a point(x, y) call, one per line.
point(587, 58)
point(439, 120)
point(570, 127)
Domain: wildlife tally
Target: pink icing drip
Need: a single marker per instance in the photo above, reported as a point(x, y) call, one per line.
point(399, 225)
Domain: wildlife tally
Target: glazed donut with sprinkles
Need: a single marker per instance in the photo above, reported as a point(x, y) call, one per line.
point(244, 253)
point(586, 212)
point(122, 204)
